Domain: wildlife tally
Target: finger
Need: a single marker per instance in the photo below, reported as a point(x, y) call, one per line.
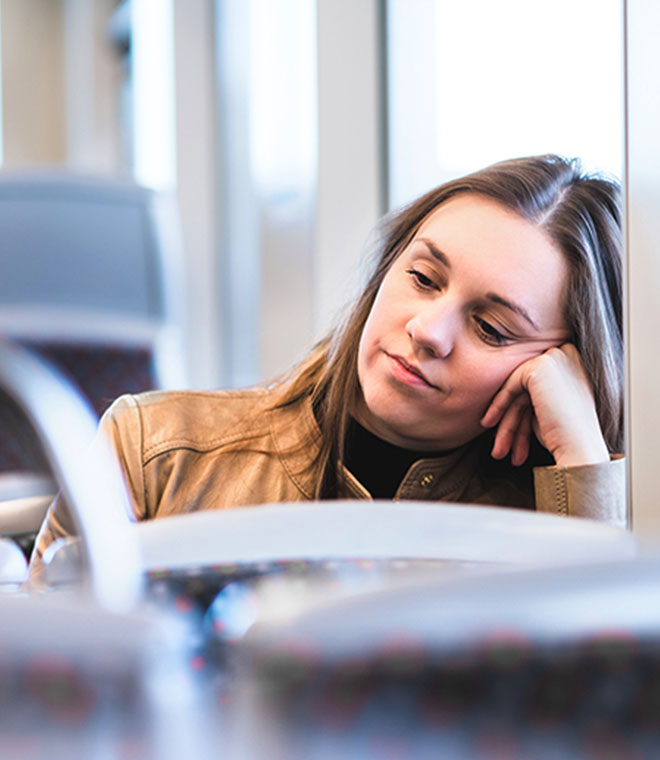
point(569, 350)
point(520, 449)
point(508, 427)
point(503, 400)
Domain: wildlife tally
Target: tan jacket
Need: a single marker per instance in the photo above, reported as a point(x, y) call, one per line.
point(187, 451)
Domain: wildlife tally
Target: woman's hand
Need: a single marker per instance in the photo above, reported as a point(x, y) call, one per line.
point(551, 396)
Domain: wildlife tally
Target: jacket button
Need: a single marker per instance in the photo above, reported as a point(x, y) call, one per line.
point(427, 480)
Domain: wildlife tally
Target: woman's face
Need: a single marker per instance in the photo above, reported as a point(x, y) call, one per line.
point(477, 291)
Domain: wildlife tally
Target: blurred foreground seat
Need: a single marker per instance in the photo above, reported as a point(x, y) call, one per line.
point(551, 663)
point(79, 681)
point(89, 282)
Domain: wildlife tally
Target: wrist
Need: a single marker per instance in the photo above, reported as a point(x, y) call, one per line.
point(576, 456)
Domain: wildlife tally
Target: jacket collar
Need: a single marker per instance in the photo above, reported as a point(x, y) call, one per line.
point(297, 440)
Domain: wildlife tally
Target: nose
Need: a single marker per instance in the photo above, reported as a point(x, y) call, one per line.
point(434, 329)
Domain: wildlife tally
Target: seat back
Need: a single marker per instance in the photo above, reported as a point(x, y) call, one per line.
point(555, 662)
point(81, 682)
point(89, 268)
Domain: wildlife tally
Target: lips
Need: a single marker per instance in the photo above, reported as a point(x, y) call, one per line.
point(412, 369)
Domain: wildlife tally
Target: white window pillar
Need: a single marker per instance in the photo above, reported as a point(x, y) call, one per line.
point(300, 134)
point(175, 147)
point(351, 175)
point(642, 184)
point(197, 186)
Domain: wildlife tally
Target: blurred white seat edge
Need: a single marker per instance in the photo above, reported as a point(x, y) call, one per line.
point(13, 565)
point(315, 531)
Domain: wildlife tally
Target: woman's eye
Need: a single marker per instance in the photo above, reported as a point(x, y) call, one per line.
point(489, 333)
point(421, 280)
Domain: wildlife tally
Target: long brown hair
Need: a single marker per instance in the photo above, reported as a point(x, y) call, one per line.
point(580, 213)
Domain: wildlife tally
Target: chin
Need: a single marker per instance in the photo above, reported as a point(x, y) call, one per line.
point(442, 440)
point(417, 429)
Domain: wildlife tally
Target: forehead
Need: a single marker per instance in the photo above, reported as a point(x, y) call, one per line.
point(495, 248)
point(471, 223)
point(471, 215)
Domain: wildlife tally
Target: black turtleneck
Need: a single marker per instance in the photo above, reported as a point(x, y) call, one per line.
point(380, 466)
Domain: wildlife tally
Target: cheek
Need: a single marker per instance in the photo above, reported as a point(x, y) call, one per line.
point(484, 378)
point(378, 325)
point(365, 344)
point(367, 350)
point(485, 374)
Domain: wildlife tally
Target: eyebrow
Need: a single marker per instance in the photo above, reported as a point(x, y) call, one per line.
point(514, 307)
point(436, 252)
point(442, 257)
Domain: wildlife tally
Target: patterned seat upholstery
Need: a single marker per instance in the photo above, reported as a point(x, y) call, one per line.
point(101, 374)
point(20, 450)
point(556, 662)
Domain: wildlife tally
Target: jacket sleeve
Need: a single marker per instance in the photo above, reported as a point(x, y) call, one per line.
point(121, 426)
point(595, 491)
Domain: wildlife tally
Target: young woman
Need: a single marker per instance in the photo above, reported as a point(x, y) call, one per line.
point(482, 363)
